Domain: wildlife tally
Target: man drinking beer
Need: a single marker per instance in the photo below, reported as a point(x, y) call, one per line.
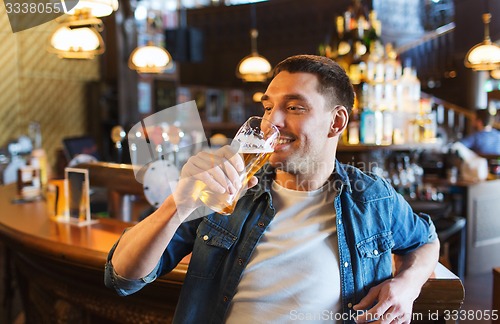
point(312, 239)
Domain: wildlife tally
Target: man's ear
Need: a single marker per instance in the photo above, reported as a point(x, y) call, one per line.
point(340, 117)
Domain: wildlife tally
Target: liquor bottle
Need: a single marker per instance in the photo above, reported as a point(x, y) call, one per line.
point(38, 156)
point(372, 61)
point(387, 126)
point(392, 66)
point(361, 100)
point(408, 92)
point(374, 31)
point(389, 94)
point(367, 126)
point(353, 127)
point(416, 87)
point(359, 46)
point(379, 125)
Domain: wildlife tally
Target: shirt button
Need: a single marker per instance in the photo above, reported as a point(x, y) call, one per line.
point(260, 224)
point(375, 252)
point(349, 305)
point(205, 237)
point(240, 261)
point(340, 221)
point(225, 299)
point(346, 264)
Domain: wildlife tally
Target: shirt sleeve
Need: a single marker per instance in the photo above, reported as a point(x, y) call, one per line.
point(180, 246)
point(122, 285)
point(410, 230)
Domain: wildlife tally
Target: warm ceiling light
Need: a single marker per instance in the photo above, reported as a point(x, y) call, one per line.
point(257, 97)
point(149, 59)
point(254, 67)
point(97, 8)
point(77, 40)
point(484, 56)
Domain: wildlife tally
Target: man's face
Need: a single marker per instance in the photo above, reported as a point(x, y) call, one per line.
point(292, 102)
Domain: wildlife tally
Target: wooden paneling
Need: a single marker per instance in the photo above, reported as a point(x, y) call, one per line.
point(286, 27)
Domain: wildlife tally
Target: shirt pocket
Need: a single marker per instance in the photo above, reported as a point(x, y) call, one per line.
point(376, 258)
point(211, 246)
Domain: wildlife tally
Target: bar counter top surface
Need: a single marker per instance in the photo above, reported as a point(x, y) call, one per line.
point(28, 224)
point(74, 257)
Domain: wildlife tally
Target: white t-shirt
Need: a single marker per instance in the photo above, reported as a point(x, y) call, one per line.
point(293, 274)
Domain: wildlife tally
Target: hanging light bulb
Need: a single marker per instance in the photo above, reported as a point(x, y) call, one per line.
point(97, 8)
point(150, 59)
point(78, 39)
point(484, 56)
point(254, 67)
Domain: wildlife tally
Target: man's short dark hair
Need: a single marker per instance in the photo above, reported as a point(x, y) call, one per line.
point(485, 117)
point(334, 83)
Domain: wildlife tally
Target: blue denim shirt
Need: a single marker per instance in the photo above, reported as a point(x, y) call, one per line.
point(373, 221)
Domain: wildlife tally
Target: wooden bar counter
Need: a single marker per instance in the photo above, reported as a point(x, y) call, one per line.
point(60, 269)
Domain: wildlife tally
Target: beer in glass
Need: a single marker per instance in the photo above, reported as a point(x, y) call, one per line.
point(256, 140)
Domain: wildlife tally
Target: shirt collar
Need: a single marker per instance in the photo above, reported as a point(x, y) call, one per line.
point(340, 177)
point(267, 174)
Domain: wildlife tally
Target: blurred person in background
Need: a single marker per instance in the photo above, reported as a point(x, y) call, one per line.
point(486, 139)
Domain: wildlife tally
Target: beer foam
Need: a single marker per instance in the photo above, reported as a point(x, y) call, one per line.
point(252, 150)
point(252, 144)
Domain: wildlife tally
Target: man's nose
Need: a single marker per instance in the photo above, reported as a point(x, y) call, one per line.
point(276, 117)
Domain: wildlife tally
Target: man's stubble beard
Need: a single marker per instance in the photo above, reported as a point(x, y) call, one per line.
point(299, 165)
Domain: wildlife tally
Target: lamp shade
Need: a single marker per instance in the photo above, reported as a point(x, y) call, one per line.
point(253, 68)
point(77, 43)
point(484, 56)
point(149, 59)
point(97, 8)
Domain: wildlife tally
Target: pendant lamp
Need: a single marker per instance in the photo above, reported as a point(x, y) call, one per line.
point(254, 67)
point(150, 59)
point(484, 56)
point(78, 39)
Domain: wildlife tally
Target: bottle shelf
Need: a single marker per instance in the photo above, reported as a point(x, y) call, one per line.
point(435, 144)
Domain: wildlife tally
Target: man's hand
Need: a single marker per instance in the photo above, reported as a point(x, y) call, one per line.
point(394, 302)
point(394, 297)
point(217, 171)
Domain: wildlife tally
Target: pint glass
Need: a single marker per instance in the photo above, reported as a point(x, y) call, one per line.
point(256, 140)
